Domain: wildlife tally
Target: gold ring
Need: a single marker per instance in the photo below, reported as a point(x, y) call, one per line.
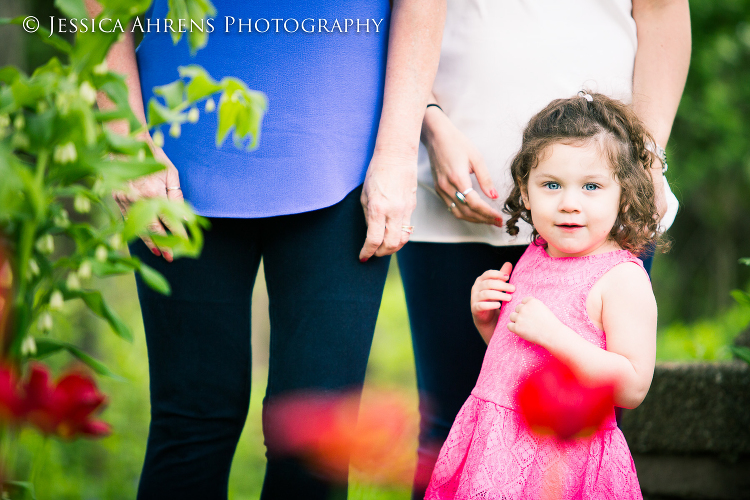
point(407, 229)
point(173, 188)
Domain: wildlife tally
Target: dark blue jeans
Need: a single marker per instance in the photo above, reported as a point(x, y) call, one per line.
point(448, 350)
point(323, 305)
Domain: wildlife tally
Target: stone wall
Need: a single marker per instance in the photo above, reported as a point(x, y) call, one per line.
point(690, 438)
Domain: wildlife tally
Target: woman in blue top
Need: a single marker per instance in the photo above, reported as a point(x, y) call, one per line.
point(326, 152)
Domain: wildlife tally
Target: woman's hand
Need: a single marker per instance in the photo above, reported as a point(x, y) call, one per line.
point(533, 321)
point(453, 159)
point(389, 196)
point(152, 186)
point(487, 294)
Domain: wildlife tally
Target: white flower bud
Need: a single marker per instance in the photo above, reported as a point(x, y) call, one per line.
point(56, 300)
point(61, 219)
point(158, 138)
point(84, 271)
point(19, 122)
point(115, 241)
point(28, 346)
point(210, 105)
point(72, 282)
point(82, 204)
point(101, 68)
point(45, 322)
point(65, 153)
point(98, 187)
point(175, 130)
point(45, 244)
point(193, 115)
point(87, 93)
point(101, 253)
point(33, 267)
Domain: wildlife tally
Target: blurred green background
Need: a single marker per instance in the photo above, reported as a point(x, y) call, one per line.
point(709, 171)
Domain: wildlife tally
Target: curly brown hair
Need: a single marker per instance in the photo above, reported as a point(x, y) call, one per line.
point(622, 137)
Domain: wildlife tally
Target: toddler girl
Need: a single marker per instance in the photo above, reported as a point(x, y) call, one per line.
point(578, 294)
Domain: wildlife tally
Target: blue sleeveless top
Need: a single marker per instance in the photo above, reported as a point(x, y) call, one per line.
point(325, 93)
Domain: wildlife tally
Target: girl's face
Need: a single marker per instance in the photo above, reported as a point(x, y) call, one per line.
point(574, 200)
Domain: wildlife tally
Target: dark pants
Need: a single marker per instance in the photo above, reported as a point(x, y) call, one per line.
point(448, 350)
point(323, 305)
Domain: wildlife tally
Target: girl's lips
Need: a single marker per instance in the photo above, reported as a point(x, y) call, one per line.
point(569, 227)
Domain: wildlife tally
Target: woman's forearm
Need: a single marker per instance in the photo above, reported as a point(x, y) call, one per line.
point(121, 59)
point(413, 53)
point(661, 62)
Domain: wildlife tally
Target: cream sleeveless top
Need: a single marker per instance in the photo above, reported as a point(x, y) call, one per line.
point(503, 61)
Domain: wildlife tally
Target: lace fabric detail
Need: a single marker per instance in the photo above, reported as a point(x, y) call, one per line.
point(490, 452)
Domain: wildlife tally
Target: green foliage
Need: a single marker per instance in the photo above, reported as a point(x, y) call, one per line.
point(60, 160)
point(710, 168)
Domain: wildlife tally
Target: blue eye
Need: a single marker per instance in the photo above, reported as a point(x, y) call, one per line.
point(590, 186)
point(552, 185)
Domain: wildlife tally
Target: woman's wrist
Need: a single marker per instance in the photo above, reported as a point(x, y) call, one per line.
point(432, 123)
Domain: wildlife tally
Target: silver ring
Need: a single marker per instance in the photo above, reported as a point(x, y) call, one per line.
point(407, 229)
point(173, 188)
point(452, 206)
point(461, 197)
point(466, 193)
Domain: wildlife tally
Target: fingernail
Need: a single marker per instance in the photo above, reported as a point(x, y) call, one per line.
point(168, 256)
point(494, 194)
point(363, 260)
point(498, 220)
point(505, 276)
point(156, 252)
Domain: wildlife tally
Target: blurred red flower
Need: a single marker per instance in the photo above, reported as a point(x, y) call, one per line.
point(328, 432)
point(65, 409)
point(11, 404)
point(554, 401)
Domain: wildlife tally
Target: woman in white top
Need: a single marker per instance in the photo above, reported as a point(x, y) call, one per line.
point(501, 62)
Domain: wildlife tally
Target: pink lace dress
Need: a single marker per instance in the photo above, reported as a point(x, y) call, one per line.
point(490, 452)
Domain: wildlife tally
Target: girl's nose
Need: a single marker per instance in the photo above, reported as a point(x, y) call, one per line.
point(569, 202)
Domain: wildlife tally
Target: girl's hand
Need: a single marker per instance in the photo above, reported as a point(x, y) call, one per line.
point(152, 186)
point(487, 294)
point(453, 159)
point(389, 196)
point(533, 321)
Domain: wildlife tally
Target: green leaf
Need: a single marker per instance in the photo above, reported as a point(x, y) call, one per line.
point(745, 261)
point(154, 279)
point(74, 9)
point(102, 269)
point(120, 171)
point(117, 90)
point(173, 93)
point(53, 40)
point(176, 214)
point(741, 297)
point(20, 489)
point(741, 352)
point(8, 74)
point(201, 84)
point(97, 305)
point(123, 143)
point(46, 347)
point(159, 114)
